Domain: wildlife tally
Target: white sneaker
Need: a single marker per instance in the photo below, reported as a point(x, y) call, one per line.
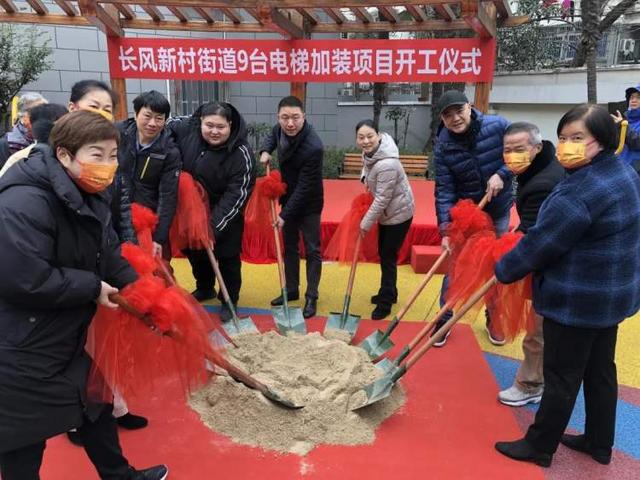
point(514, 397)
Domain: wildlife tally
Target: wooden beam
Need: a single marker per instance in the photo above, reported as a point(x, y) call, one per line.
point(67, 7)
point(362, 15)
point(232, 14)
point(179, 14)
point(100, 18)
point(355, 27)
point(336, 15)
point(8, 6)
point(389, 13)
point(38, 7)
point(119, 86)
point(44, 19)
point(504, 9)
point(254, 13)
point(195, 26)
point(481, 18)
point(153, 12)
point(445, 12)
point(125, 11)
point(282, 4)
point(311, 17)
point(417, 13)
point(284, 24)
point(514, 21)
point(205, 14)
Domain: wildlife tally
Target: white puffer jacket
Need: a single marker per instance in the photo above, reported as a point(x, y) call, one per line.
point(385, 178)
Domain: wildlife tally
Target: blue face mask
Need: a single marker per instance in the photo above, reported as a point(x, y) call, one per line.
point(633, 115)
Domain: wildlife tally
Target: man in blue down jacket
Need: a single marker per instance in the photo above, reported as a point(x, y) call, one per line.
point(469, 164)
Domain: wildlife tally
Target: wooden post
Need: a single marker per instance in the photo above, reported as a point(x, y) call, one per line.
point(481, 99)
point(299, 89)
point(119, 86)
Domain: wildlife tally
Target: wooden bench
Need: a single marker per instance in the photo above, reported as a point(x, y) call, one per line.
point(414, 165)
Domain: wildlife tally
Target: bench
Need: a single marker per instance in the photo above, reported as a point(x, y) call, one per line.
point(424, 256)
point(414, 165)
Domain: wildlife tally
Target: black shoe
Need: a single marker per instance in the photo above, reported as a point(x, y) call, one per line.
point(132, 422)
point(521, 450)
point(309, 309)
point(159, 472)
point(75, 438)
point(225, 312)
point(202, 295)
point(375, 299)
point(580, 444)
point(381, 311)
point(443, 340)
point(291, 297)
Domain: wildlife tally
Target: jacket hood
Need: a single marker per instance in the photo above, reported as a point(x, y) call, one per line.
point(43, 170)
point(386, 149)
point(238, 128)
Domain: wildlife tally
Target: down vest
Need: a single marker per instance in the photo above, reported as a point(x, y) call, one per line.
point(463, 172)
point(385, 178)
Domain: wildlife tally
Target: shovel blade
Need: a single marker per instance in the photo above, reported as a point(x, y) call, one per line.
point(376, 345)
point(387, 366)
point(335, 321)
point(240, 326)
point(289, 320)
point(374, 392)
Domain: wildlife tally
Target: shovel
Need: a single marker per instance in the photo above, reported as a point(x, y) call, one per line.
point(237, 325)
point(344, 320)
point(234, 372)
point(288, 319)
point(378, 343)
point(381, 388)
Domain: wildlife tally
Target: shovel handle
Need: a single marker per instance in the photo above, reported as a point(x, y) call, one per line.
point(127, 307)
point(276, 234)
point(354, 264)
point(484, 201)
point(452, 321)
point(223, 286)
point(165, 272)
point(624, 124)
point(423, 284)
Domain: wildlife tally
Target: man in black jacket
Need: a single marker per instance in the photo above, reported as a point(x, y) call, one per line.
point(300, 155)
point(537, 171)
point(150, 163)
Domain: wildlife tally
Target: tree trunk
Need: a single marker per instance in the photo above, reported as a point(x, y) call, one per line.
point(379, 97)
point(592, 80)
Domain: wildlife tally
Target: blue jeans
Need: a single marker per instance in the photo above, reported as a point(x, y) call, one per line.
point(501, 226)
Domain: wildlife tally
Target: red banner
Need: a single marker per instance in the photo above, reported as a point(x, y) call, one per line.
point(438, 60)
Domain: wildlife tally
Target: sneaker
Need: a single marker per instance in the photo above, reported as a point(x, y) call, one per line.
point(132, 422)
point(443, 340)
point(202, 295)
point(514, 397)
point(495, 335)
point(159, 472)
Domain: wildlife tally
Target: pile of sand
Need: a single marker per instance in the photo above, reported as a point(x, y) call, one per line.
point(312, 370)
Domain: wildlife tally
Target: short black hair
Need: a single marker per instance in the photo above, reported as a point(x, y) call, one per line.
point(154, 101)
point(597, 120)
point(43, 117)
point(81, 88)
point(366, 123)
point(290, 101)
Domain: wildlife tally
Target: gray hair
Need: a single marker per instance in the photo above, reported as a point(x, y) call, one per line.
point(535, 138)
point(29, 100)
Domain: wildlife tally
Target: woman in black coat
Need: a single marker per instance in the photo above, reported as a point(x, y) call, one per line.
point(215, 151)
point(60, 259)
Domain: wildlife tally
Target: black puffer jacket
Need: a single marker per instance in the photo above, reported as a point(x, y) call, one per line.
point(300, 160)
point(536, 183)
point(57, 245)
point(152, 174)
point(227, 172)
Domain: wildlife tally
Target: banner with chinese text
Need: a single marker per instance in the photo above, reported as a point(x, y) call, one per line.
point(431, 60)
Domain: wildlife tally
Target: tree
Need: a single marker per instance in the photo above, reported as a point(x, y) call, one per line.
point(593, 26)
point(22, 59)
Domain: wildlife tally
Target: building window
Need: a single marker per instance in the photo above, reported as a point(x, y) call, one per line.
point(190, 94)
point(396, 92)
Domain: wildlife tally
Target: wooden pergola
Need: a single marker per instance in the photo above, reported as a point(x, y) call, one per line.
point(290, 18)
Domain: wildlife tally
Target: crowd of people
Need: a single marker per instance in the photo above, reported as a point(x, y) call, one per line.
point(70, 176)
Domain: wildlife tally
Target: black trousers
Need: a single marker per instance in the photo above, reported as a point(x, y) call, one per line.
point(309, 226)
point(390, 240)
point(100, 442)
point(230, 268)
point(574, 355)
